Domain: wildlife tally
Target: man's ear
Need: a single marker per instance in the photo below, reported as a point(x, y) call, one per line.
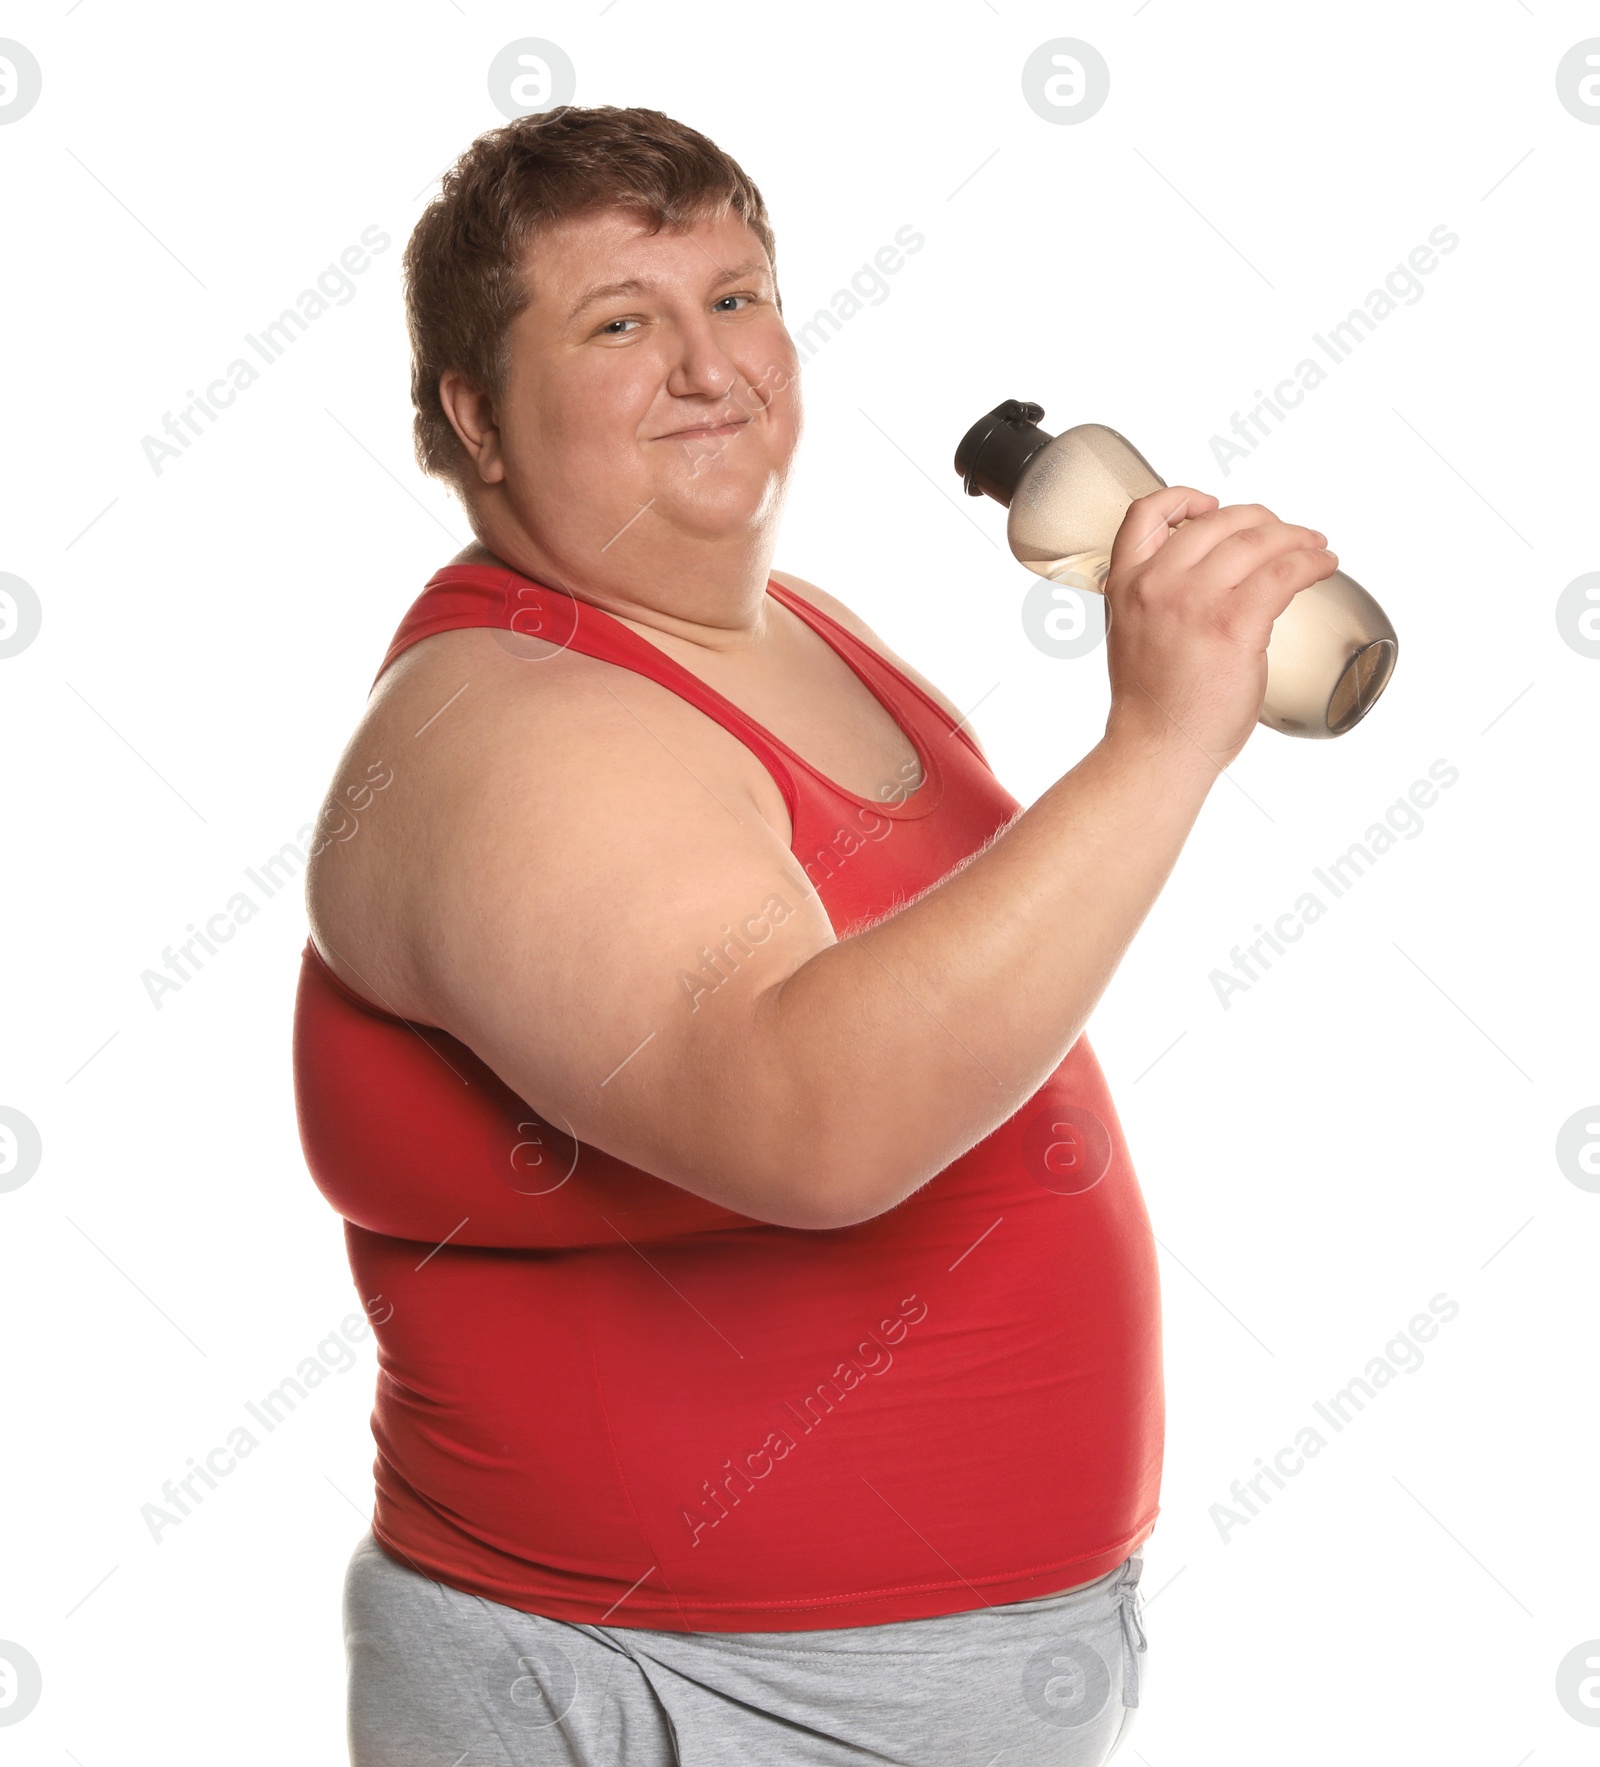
point(471, 414)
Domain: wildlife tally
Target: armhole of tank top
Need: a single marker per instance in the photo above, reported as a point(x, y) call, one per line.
point(406, 637)
point(320, 966)
point(877, 659)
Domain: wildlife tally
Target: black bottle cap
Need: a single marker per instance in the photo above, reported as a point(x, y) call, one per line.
point(992, 454)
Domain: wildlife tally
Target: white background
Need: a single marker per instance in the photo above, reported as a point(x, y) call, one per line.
point(1370, 1125)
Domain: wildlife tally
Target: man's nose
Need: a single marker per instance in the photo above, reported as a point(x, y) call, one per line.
point(700, 365)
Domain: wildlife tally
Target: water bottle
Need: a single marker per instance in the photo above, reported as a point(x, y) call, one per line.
point(1332, 648)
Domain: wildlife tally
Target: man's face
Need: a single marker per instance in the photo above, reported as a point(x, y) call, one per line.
point(604, 418)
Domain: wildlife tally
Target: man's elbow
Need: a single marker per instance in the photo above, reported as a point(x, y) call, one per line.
point(810, 1193)
point(832, 1194)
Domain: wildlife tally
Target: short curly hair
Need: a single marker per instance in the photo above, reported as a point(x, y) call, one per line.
point(464, 261)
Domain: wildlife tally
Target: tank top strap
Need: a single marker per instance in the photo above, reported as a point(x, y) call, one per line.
point(468, 595)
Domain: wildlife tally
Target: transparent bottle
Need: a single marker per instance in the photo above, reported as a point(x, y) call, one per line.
point(1332, 649)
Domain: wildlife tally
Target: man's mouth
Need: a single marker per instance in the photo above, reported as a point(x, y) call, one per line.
point(705, 430)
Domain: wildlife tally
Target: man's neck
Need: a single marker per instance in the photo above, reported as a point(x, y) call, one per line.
point(724, 636)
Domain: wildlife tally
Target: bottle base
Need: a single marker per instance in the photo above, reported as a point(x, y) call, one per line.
point(1364, 679)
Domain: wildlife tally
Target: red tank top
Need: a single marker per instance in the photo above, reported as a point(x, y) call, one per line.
point(605, 1400)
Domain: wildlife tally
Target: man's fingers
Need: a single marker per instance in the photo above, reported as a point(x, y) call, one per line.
point(1218, 535)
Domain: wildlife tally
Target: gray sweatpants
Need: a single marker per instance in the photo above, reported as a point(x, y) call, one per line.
point(438, 1678)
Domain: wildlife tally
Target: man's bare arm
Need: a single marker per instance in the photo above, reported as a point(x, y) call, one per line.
point(627, 942)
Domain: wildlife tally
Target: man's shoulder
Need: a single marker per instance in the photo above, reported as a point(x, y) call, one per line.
point(489, 762)
point(858, 627)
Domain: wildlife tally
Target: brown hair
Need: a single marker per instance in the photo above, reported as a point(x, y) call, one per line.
point(464, 281)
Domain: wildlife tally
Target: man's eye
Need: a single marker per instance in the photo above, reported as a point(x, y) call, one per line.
point(609, 329)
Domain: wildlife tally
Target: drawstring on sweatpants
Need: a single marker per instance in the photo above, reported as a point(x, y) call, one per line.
point(1133, 1638)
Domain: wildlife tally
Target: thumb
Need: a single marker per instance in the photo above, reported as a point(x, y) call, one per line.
point(1150, 520)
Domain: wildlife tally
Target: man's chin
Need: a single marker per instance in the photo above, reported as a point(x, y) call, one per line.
point(715, 503)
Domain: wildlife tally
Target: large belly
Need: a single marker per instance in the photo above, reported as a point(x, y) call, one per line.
point(972, 1379)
